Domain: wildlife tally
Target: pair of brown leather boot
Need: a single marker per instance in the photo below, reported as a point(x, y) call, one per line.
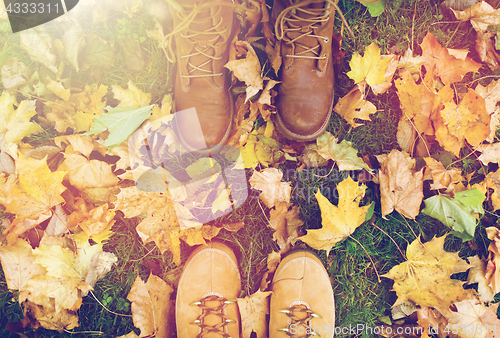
point(302, 303)
point(203, 31)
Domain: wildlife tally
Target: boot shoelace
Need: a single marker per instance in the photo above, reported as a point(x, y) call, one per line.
point(294, 320)
point(289, 21)
point(189, 17)
point(218, 311)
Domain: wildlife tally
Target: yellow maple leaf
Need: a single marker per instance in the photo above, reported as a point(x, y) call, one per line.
point(160, 224)
point(466, 121)
point(370, 67)
point(131, 97)
point(84, 173)
point(425, 277)
point(253, 310)
point(31, 197)
point(15, 123)
point(340, 221)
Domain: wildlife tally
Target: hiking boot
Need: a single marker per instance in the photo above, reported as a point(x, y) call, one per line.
point(302, 303)
point(304, 30)
point(206, 295)
point(202, 31)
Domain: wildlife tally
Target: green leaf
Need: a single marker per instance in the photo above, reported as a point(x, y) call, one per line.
point(374, 7)
point(370, 212)
point(121, 122)
point(457, 213)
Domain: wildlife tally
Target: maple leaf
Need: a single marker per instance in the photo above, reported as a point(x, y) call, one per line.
point(354, 106)
point(411, 64)
point(15, 123)
point(58, 224)
point(490, 93)
point(285, 221)
point(253, 310)
point(84, 173)
point(31, 197)
point(466, 121)
point(194, 236)
point(432, 318)
point(425, 277)
point(481, 15)
point(151, 306)
point(261, 147)
point(449, 68)
point(370, 68)
point(401, 189)
point(273, 190)
point(490, 153)
point(342, 153)
point(131, 97)
point(160, 224)
point(442, 178)
point(477, 274)
point(79, 110)
point(340, 221)
point(474, 314)
point(247, 69)
point(457, 213)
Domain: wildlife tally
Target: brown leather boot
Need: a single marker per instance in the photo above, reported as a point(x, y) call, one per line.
point(206, 295)
point(304, 30)
point(203, 31)
point(302, 303)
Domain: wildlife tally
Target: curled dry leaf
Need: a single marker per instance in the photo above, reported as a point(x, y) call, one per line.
point(273, 190)
point(490, 153)
point(486, 50)
point(425, 277)
point(411, 64)
point(253, 310)
point(442, 177)
point(481, 15)
point(401, 189)
point(285, 222)
point(247, 69)
point(354, 106)
point(151, 307)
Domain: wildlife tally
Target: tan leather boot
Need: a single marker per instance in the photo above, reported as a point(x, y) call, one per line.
point(304, 30)
point(203, 31)
point(302, 303)
point(206, 295)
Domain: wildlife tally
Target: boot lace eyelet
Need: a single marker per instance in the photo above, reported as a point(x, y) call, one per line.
point(327, 40)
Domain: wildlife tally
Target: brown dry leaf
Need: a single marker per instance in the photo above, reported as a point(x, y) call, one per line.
point(58, 224)
point(32, 195)
point(466, 121)
point(481, 15)
point(273, 259)
point(425, 277)
point(490, 93)
point(273, 190)
point(442, 177)
point(247, 69)
point(253, 310)
point(151, 307)
point(449, 68)
point(472, 313)
point(493, 181)
point(340, 221)
point(354, 106)
point(80, 144)
point(99, 221)
point(131, 97)
point(160, 224)
point(477, 274)
point(491, 270)
point(401, 189)
point(406, 135)
point(234, 226)
point(486, 49)
point(194, 236)
point(285, 222)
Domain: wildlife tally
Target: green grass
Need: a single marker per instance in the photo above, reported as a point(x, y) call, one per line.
point(360, 297)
